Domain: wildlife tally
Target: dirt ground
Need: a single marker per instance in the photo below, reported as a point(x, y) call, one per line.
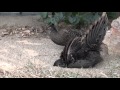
point(34, 56)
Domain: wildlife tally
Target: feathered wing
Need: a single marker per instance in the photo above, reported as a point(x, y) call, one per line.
point(92, 39)
point(77, 47)
point(71, 47)
point(91, 42)
point(97, 32)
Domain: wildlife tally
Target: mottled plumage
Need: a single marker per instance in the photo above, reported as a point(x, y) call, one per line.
point(61, 37)
point(85, 51)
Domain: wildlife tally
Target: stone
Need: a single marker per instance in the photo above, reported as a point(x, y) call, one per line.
point(4, 32)
point(112, 37)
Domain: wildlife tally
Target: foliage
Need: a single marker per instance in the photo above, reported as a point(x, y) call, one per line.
point(74, 18)
point(112, 15)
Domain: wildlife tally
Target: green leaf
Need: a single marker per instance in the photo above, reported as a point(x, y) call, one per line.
point(77, 20)
point(74, 18)
point(71, 19)
point(53, 20)
point(44, 14)
point(59, 15)
point(48, 21)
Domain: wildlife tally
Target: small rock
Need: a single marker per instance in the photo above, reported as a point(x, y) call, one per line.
point(27, 26)
point(116, 23)
point(8, 28)
point(19, 29)
point(5, 32)
point(32, 33)
point(41, 30)
point(23, 29)
point(112, 38)
point(4, 26)
point(26, 31)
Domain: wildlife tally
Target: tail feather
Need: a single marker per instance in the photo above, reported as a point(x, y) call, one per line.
point(97, 31)
point(80, 45)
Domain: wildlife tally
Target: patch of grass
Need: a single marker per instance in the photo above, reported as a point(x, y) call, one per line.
point(37, 71)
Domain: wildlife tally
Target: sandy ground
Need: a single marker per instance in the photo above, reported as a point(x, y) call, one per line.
point(17, 52)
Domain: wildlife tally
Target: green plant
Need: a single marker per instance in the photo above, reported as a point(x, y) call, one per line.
point(74, 18)
point(112, 15)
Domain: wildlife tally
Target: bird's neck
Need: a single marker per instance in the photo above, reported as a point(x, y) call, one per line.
point(53, 29)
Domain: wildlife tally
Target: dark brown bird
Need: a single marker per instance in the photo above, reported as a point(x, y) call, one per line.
point(61, 37)
point(84, 52)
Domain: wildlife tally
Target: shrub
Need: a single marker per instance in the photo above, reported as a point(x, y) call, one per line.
point(74, 18)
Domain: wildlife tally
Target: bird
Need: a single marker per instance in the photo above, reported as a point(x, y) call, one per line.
point(61, 37)
point(84, 52)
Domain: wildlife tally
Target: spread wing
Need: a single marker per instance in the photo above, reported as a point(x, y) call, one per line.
point(92, 39)
point(71, 47)
point(97, 32)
